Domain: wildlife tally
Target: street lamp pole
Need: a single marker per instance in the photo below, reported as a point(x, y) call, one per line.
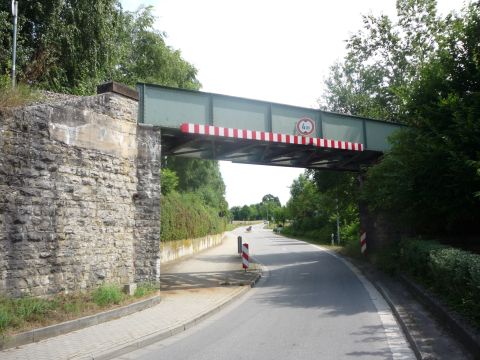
point(15, 15)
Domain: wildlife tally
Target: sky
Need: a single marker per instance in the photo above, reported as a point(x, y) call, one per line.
point(273, 50)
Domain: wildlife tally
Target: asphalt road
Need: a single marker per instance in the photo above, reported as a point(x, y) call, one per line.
point(308, 305)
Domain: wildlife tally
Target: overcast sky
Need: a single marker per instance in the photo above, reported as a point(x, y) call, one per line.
point(272, 50)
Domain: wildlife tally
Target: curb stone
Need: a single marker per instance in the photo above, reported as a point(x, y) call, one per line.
point(396, 314)
point(413, 344)
point(139, 343)
point(398, 317)
point(43, 333)
point(459, 329)
point(391, 305)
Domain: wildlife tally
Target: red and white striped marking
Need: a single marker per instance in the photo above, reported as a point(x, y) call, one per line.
point(363, 242)
point(245, 258)
point(269, 137)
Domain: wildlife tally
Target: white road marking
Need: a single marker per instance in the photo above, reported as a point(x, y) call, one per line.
point(395, 337)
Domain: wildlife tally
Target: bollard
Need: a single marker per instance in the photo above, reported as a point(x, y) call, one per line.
point(363, 242)
point(239, 239)
point(245, 256)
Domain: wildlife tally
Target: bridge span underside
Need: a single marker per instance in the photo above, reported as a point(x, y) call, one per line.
point(220, 127)
point(249, 151)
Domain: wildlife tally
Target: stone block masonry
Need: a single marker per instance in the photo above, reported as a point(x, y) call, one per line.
point(79, 196)
point(147, 205)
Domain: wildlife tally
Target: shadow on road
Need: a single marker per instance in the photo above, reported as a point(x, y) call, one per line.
point(313, 279)
point(198, 280)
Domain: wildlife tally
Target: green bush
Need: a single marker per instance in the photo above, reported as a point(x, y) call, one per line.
point(322, 235)
point(350, 232)
point(186, 216)
point(452, 273)
point(415, 255)
point(106, 295)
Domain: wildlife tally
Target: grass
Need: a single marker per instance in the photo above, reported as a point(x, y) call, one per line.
point(145, 289)
point(107, 295)
point(15, 312)
point(18, 96)
point(23, 314)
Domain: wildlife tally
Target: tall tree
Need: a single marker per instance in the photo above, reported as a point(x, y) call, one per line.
point(430, 177)
point(144, 55)
point(382, 62)
point(202, 176)
point(424, 71)
point(73, 45)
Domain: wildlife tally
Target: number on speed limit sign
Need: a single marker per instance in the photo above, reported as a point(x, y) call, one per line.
point(305, 126)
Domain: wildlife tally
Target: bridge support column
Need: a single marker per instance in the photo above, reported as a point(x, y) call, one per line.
point(380, 229)
point(147, 206)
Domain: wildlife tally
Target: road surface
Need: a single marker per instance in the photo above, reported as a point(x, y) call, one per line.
point(309, 305)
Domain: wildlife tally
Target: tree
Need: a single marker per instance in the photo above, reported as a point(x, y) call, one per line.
point(201, 176)
point(267, 207)
point(430, 177)
point(375, 79)
point(304, 204)
point(73, 45)
point(270, 199)
point(340, 193)
point(421, 70)
point(146, 58)
point(169, 181)
point(235, 212)
point(245, 213)
point(280, 215)
point(67, 46)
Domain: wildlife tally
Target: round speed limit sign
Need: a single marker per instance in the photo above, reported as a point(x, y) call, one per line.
point(305, 126)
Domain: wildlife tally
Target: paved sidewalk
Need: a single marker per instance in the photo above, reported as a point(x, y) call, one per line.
point(191, 290)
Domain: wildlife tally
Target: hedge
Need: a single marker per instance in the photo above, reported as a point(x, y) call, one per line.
point(451, 272)
point(185, 216)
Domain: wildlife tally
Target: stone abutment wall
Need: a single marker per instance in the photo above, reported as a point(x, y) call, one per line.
point(79, 196)
point(380, 229)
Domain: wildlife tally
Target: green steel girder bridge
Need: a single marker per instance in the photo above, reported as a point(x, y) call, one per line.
point(220, 127)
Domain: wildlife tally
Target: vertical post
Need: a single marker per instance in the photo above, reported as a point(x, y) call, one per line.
point(14, 13)
point(363, 242)
point(364, 129)
point(319, 124)
point(269, 119)
point(239, 244)
point(210, 109)
point(338, 222)
point(245, 257)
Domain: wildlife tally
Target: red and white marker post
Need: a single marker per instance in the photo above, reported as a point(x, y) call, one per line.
point(363, 242)
point(245, 257)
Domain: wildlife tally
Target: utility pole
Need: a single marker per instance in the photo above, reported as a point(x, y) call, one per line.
point(15, 15)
